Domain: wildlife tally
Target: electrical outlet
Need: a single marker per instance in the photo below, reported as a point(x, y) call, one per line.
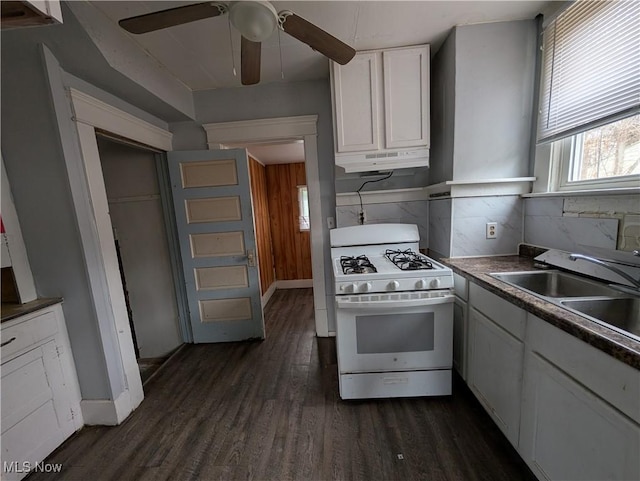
point(492, 230)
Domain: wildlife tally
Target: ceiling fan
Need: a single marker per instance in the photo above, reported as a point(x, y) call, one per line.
point(256, 20)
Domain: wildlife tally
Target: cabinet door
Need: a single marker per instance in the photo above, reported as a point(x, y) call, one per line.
point(356, 105)
point(495, 372)
point(460, 327)
point(568, 433)
point(406, 97)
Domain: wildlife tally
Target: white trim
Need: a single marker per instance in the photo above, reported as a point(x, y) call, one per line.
point(586, 193)
point(94, 112)
point(481, 187)
point(258, 130)
point(322, 321)
point(382, 196)
point(294, 284)
point(105, 412)
point(267, 295)
point(289, 128)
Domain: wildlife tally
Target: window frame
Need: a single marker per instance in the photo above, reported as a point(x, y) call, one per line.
point(307, 225)
point(561, 162)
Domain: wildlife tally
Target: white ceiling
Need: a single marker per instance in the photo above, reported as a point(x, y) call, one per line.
point(275, 152)
point(199, 53)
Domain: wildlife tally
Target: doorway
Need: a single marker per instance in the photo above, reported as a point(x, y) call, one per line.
point(221, 134)
point(139, 231)
point(280, 199)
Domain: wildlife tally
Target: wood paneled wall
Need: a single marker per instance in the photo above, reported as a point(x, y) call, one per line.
point(261, 220)
point(291, 247)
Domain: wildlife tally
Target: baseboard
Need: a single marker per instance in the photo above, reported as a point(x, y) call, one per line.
point(294, 284)
point(267, 295)
point(106, 412)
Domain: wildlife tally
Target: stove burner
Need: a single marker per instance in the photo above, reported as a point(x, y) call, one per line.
point(408, 260)
point(356, 265)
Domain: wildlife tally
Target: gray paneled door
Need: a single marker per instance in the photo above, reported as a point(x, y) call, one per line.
point(212, 200)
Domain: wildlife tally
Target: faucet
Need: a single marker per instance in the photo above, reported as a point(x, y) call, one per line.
point(595, 260)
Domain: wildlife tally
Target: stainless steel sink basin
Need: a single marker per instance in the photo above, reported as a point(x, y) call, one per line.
point(556, 284)
point(613, 308)
point(623, 314)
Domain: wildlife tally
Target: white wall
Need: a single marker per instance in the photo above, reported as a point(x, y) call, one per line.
point(494, 79)
point(482, 102)
point(136, 214)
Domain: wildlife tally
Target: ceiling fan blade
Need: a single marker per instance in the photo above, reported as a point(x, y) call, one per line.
point(250, 61)
point(316, 38)
point(171, 17)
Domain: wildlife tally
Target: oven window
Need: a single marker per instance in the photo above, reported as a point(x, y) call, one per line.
point(395, 333)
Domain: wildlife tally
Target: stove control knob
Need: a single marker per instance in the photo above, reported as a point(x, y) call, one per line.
point(348, 287)
point(365, 287)
point(435, 283)
point(393, 285)
point(422, 284)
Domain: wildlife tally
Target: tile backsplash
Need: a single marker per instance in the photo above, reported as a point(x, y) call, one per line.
point(410, 212)
point(567, 223)
point(470, 216)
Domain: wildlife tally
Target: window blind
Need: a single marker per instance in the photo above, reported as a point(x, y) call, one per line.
point(591, 67)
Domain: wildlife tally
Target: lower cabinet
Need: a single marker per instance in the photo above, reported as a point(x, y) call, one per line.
point(40, 397)
point(568, 433)
point(495, 372)
point(580, 409)
point(571, 411)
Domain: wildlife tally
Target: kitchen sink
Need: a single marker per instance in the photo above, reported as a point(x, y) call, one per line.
point(621, 313)
point(556, 284)
point(613, 308)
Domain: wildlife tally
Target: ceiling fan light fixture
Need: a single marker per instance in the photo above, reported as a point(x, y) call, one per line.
point(256, 20)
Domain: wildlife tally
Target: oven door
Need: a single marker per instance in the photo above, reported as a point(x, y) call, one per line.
point(400, 335)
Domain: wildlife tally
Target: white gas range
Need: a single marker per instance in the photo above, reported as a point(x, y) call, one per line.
point(394, 314)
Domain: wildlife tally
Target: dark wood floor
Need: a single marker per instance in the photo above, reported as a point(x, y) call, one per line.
point(270, 410)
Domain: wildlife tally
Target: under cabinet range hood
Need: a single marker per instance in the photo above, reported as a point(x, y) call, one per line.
point(366, 162)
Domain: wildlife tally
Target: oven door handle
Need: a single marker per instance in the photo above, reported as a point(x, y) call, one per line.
point(347, 303)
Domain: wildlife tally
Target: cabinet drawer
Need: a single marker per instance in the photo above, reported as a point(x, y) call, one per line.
point(19, 337)
point(508, 316)
point(614, 381)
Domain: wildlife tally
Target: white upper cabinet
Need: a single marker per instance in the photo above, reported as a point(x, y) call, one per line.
point(356, 104)
point(406, 97)
point(381, 109)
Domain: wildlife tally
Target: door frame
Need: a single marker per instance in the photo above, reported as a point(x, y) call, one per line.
point(288, 128)
point(92, 211)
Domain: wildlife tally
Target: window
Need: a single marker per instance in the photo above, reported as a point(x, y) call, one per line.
point(303, 207)
point(590, 96)
point(606, 156)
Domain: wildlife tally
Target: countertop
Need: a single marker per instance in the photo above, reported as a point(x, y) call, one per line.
point(11, 311)
point(477, 269)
